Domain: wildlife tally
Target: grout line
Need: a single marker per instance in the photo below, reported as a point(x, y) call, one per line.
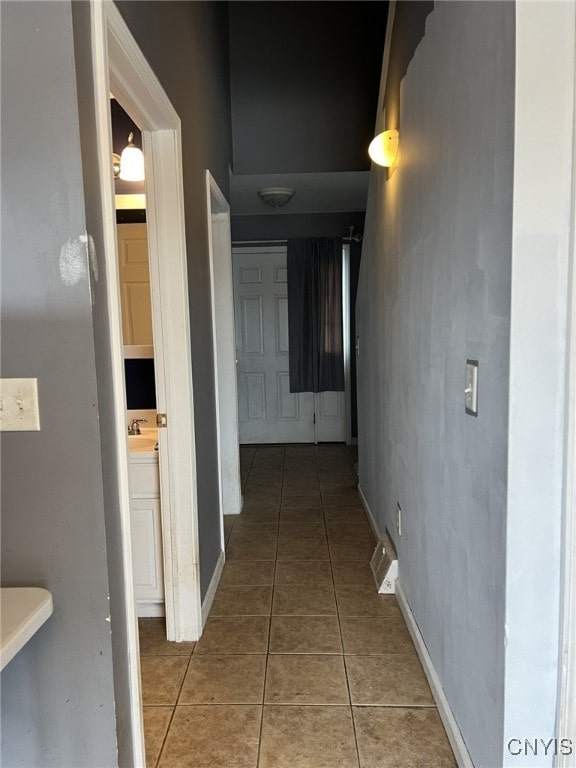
point(174, 707)
point(165, 736)
point(270, 617)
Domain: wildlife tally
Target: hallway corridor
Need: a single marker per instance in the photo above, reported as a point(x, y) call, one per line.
point(302, 664)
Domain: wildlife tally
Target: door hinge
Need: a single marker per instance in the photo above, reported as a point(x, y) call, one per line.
point(161, 420)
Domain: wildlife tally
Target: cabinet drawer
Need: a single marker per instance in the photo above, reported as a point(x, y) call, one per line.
point(144, 479)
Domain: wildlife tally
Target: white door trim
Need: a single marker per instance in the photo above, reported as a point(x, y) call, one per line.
point(224, 344)
point(567, 667)
point(119, 65)
point(126, 73)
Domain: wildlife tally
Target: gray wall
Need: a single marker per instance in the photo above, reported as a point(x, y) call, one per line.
point(435, 290)
point(57, 694)
point(186, 44)
point(296, 70)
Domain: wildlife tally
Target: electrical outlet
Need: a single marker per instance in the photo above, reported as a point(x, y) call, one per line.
point(399, 519)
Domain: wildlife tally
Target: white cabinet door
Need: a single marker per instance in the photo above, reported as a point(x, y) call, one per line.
point(147, 550)
point(267, 411)
point(134, 283)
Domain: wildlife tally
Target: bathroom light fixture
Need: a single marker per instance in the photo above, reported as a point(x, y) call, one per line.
point(383, 148)
point(116, 164)
point(131, 162)
point(276, 197)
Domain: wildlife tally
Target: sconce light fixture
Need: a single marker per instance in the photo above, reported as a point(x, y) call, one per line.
point(129, 166)
point(276, 197)
point(383, 149)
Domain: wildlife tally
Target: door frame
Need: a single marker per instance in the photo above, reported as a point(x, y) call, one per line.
point(566, 714)
point(224, 346)
point(346, 339)
point(120, 67)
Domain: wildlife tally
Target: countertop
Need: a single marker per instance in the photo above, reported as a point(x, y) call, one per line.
point(23, 611)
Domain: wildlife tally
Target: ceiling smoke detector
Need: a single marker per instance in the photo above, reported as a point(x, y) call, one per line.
point(276, 197)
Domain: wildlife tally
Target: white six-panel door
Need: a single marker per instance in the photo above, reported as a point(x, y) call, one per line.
point(267, 411)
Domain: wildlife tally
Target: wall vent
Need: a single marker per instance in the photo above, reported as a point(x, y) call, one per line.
point(384, 564)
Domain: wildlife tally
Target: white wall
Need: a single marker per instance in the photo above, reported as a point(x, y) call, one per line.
point(542, 203)
point(434, 291)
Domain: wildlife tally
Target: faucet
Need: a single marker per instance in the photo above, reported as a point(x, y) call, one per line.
point(134, 428)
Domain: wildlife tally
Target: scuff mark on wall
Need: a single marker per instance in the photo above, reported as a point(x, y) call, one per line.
point(78, 261)
point(73, 261)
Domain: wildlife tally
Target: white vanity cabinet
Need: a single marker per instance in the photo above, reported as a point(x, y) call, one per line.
point(146, 533)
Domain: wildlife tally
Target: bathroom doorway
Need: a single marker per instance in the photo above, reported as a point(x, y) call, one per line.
point(119, 67)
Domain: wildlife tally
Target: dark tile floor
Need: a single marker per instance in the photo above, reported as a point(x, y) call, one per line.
point(302, 664)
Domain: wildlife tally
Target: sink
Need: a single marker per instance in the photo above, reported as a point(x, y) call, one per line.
point(141, 442)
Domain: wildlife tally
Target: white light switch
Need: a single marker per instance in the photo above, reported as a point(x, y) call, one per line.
point(471, 388)
point(19, 405)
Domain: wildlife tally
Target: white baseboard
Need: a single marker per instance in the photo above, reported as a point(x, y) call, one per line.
point(147, 609)
point(212, 587)
point(453, 732)
point(371, 518)
point(237, 508)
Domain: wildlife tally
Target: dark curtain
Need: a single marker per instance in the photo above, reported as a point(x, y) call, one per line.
point(315, 315)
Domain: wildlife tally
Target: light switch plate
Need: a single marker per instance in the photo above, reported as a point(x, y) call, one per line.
point(19, 405)
point(471, 388)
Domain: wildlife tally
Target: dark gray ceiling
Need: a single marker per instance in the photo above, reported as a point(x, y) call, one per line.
point(304, 82)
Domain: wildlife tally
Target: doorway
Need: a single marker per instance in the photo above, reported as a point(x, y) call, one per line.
point(268, 411)
point(120, 68)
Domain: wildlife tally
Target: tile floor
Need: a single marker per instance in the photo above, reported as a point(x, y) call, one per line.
point(302, 664)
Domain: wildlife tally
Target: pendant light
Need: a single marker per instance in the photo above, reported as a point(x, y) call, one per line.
point(131, 162)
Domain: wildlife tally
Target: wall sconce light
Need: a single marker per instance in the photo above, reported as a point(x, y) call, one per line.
point(383, 149)
point(129, 166)
point(276, 197)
